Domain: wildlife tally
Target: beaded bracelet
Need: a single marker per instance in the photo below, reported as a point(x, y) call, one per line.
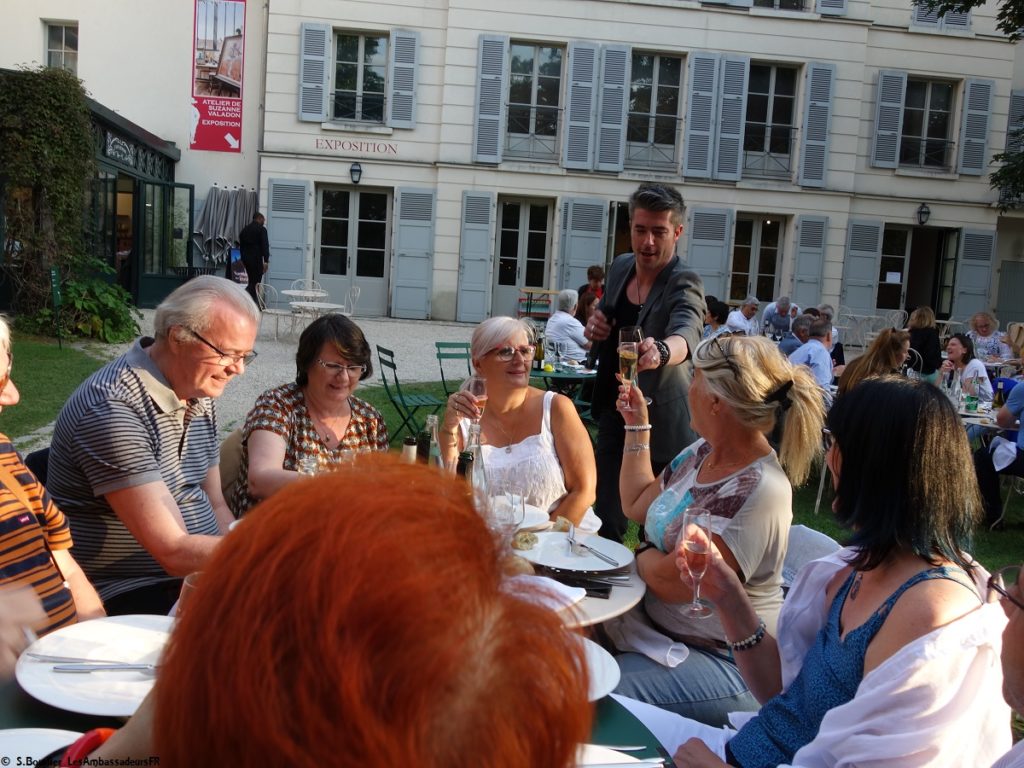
point(638, 427)
point(749, 642)
point(638, 448)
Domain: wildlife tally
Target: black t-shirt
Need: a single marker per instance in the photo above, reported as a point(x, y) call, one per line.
point(606, 387)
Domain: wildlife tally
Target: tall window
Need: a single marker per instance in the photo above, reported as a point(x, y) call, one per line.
point(360, 77)
point(653, 110)
point(927, 117)
point(534, 93)
point(755, 258)
point(768, 133)
point(62, 47)
point(353, 224)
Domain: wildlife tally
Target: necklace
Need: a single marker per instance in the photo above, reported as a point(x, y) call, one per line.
point(639, 299)
point(323, 428)
point(508, 446)
point(712, 464)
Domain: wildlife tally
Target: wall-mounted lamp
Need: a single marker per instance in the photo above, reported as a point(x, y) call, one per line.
point(923, 214)
point(355, 172)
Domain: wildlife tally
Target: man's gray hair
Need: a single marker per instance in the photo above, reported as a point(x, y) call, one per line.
point(751, 301)
point(826, 309)
point(567, 299)
point(658, 198)
point(801, 323)
point(821, 328)
point(191, 304)
point(783, 303)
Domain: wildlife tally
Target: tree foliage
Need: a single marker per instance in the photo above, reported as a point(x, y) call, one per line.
point(1009, 19)
point(46, 165)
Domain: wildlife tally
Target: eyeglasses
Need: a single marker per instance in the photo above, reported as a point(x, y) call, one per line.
point(505, 354)
point(725, 354)
point(226, 358)
point(1003, 580)
point(335, 368)
point(827, 440)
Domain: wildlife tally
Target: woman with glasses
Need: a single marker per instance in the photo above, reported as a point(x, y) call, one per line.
point(741, 388)
point(533, 442)
point(314, 422)
point(989, 343)
point(886, 653)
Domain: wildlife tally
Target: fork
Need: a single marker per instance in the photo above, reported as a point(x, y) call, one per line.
point(575, 548)
point(72, 659)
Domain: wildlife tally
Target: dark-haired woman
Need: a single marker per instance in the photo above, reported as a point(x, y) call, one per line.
point(316, 418)
point(887, 654)
point(961, 364)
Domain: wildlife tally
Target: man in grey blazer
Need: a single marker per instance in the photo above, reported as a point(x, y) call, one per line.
point(651, 288)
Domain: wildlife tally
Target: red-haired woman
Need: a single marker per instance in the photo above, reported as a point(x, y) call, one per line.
point(383, 638)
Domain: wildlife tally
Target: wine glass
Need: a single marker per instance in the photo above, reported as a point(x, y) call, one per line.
point(188, 588)
point(508, 514)
point(477, 387)
point(630, 337)
point(696, 554)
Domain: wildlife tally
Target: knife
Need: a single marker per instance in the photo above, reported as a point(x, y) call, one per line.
point(126, 667)
point(598, 554)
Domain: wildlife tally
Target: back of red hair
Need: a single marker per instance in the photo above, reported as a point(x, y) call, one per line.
point(359, 619)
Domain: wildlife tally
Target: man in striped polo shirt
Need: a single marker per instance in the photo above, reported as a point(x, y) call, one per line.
point(134, 462)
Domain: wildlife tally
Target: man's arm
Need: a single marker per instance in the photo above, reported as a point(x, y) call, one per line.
point(151, 515)
point(214, 491)
point(684, 297)
point(87, 603)
point(264, 245)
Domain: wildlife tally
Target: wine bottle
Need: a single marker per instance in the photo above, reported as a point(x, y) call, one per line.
point(999, 399)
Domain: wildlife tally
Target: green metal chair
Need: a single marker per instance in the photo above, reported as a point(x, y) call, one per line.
point(406, 405)
point(453, 350)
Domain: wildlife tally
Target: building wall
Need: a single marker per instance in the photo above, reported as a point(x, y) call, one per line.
point(438, 152)
point(135, 57)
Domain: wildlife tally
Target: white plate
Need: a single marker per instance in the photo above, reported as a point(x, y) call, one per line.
point(553, 550)
point(23, 745)
point(535, 519)
point(593, 754)
point(136, 639)
point(604, 672)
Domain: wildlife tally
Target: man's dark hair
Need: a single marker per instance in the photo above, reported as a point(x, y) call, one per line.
point(658, 198)
point(719, 310)
point(820, 328)
point(595, 272)
point(258, 216)
point(801, 323)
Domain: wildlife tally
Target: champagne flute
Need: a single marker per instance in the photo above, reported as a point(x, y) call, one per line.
point(696, 555)
point(477, 387)
point(629, 355)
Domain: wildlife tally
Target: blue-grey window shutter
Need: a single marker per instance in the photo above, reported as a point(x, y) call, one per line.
point(314, 71)
point(923, 16)
point(611, 111)
point(287, 231)
point(817, 123)
point(580, 105)
point(701, 112)
point(739, 4)
point(491, 87)
point(707, 252)
point(732, 110)
point(584, 223)
point(885, 145)
point(974, 126)
point(957, 20)
point(476, 246)
point(860, 267)
point(830, 7)
point(403, 78)
point(1015, 122)
point(811, 237)
point(414, 254)
point(973, 272)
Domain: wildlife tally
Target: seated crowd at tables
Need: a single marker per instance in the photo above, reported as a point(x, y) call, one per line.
point(883, 653)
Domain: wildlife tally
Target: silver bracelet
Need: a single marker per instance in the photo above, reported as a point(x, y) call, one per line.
point(638, 427)
point(638, 448)
point(749, 642)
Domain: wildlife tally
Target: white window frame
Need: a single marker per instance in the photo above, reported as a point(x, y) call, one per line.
point(63, 51)
point(360, 73)
point(950, 149)
point(754, 269)
point(531, 145)
point(764, 163)
point(650, 154)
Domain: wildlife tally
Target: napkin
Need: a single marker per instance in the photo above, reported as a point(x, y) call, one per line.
point(1004, 453)
point(630, 633)
point(544, 591)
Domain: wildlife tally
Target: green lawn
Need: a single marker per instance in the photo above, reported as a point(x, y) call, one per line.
point(46, 375)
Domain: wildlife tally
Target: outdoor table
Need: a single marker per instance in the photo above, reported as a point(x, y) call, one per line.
point(594, 610)
point(318, 308)
point(615, 725)
point(304, 295)
point(540, 296)
point(568, 383)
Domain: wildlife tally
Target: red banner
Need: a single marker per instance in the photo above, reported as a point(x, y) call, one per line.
point(218, 52)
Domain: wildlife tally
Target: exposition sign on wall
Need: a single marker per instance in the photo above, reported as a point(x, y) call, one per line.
point(218, 49)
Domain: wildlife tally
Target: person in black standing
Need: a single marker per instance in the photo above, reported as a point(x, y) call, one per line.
point(255, 247)
point(651, 288)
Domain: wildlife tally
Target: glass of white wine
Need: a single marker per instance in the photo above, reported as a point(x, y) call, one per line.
point(630, 337)
point(696, 555)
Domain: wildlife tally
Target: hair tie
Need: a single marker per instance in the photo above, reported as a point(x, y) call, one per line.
point(781, 396)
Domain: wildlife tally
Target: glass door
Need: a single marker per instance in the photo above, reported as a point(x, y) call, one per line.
point(163, 224)
point(756, 256)
point(523, 248)
point(892, 268)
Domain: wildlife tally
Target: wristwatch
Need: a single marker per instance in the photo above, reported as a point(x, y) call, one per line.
point(662, 348)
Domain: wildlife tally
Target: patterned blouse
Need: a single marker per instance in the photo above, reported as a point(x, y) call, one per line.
point(283, 411)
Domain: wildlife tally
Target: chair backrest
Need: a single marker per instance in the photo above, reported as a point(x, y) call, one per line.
point(805, 545)
point(386, 358)
point(230, 462)
point(1015, 338)
point(266, 294)
point(452, 350)
point(303, 284)
point(38, 463)
point(351, 298)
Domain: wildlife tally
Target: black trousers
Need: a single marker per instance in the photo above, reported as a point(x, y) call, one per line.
point(988, 481)
point(611, 437)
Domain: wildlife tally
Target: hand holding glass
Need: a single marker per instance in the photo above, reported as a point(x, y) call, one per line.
point(629, 355)
point(477, 387)
point(697, 554)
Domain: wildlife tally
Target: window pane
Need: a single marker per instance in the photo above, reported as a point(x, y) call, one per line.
point(522, 59)
point(760, 78)
point(348, 48)
point(938, 125)
point(335, 204)
point(782, 110)
point(71, 39)
point(373, 108)
point(345, 76)
point(369, 263)
point(333, 261)
point(334, 232)
point(643, 68)
point(547, 122)
point(54, 37)
point(669, 71)
point(636, 128)
point(770, 238)
point(668, 101)
point(550, 62)
point(518, 119)
point(71, 62)
point(373, 80)
point(371, 235)
point(547, 92)
point(375, 51)
point(534, 273)
point(913, 120)
point(910, 151)
point(538, 218)
point(894, 243)
point(942, 96)
point(640, 99)
point(54, 60)
point(757, 108)
point(345, 106)
point(765, 286)
point(373, 206)
point(785, 82)
point(664, 130)
point(738, 287)
point(916, 90)
point(744, 232)
point(741, 260)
